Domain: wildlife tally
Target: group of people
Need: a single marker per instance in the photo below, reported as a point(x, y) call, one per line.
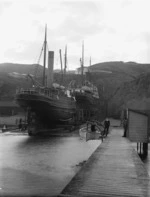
point(106, 126)
point(21, 124)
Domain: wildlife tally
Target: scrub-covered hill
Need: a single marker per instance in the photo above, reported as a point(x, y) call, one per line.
point(120, 84)
point(134, 94)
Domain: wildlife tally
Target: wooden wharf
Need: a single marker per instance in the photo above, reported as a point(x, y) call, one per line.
point(113, 170)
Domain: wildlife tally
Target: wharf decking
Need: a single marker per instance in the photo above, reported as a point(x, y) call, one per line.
point(114, 169)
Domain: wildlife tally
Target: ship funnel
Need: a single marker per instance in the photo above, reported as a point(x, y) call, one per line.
point(50, 68)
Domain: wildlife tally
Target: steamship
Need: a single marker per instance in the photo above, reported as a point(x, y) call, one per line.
point(85, 93)
point(47, 105)
point(87, 98)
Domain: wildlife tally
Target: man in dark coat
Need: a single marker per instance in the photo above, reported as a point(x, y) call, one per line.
point(106, 126)
point(125, 126)
point(93, 126)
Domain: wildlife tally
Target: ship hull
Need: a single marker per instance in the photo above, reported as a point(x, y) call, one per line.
point(86, 101)
point(87, 105)
point(48, 110)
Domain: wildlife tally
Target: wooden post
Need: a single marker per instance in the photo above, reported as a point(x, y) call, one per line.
point(140, 148)
point(145, 149)
point(137, 146)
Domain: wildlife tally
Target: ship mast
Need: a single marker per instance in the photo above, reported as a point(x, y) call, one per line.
point(82, 62)
point(90, 61)
point(65, 60)
point(44, 61)
point(61, 66)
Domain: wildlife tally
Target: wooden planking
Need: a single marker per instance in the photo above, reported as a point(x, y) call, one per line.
point(114, 169)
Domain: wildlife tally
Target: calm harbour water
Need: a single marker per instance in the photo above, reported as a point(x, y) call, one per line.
point(40, 166)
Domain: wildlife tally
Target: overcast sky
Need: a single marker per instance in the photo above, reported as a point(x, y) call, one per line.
point(112, 30)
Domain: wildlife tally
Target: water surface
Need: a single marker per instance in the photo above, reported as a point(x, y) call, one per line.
point(40, 166)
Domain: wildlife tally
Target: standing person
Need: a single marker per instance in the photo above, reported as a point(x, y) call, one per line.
point(93, 127)
point(125, 126)
point(20, 124)
point(106, 126)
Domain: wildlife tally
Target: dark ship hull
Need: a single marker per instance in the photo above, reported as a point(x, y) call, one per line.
point(85, 100)
point(46, 109)
point(87, 107)
point(48, 104)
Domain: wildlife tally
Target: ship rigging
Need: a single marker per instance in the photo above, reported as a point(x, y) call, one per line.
point(47, 104)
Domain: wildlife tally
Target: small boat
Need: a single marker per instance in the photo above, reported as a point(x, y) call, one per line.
point(97, 133)
point(93, 136)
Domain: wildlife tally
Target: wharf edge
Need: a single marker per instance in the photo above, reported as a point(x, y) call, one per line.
point(114, 169)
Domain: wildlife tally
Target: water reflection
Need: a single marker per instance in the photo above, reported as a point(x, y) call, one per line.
point(42, 165)
point(146, 160)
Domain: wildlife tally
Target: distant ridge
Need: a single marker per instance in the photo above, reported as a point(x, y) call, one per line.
point(20, 68)
point(130, 68)
point(113, 66)
point(121, 84)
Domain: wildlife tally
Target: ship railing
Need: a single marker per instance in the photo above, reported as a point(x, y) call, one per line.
point(35, 91)
point(26, 91)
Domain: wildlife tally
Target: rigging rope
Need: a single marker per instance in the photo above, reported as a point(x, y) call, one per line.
point(38, 62)
point(40, 54)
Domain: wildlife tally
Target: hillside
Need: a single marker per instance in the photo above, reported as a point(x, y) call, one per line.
point(20, 68)
point(134, 94)
point(8, 86)
point(120, 84)
point(131, 69)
